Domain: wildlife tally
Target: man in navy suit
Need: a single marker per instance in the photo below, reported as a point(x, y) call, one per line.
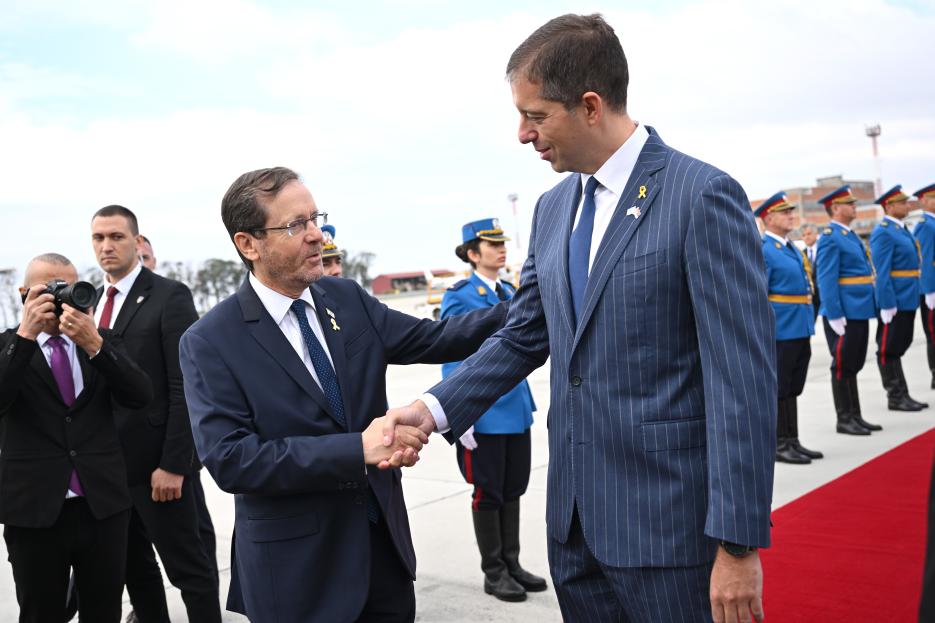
point(645, 285)
point(285, 384)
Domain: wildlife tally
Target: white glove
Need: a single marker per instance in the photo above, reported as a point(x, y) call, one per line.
point(930, 300)
point(837, 325)
point(886, 315)
point(467, 439)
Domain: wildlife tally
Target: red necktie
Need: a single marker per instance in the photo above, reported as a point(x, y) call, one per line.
point(108, 309)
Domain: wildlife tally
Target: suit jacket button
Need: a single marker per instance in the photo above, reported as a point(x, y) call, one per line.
point(575, 381)
point(72, 453)
point(68, 419)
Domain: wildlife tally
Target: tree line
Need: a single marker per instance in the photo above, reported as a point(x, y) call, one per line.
point(210, 281)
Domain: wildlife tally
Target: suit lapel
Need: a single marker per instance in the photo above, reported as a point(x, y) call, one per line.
point(41, 366)
point(569, 202)
point(334, 336)
point(623, 224)
point(136, 298)
point(270, 338)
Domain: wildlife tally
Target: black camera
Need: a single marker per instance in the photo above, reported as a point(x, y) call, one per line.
point(79, 295)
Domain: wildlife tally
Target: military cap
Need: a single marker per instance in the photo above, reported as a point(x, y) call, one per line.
point(893, 195)
point(928, 191)
point(839, 195)
point(328, 247)
point(485, 229)
point(777, 203)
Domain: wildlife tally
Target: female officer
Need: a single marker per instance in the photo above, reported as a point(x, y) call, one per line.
point(495, 454)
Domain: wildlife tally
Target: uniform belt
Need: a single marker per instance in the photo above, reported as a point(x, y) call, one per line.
point(856, 281)
point(801, 299)
point(904, 273)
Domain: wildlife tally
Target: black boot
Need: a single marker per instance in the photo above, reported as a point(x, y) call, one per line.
point(904, 387)
point(509, 532)
point(792, 410)
point(497, 579)
point(930, 349)
point(854, 401)
point(785, 451)
point(895, 399)
point(846, 425)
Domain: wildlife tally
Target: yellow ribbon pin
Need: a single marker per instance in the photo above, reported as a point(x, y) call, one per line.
point(334, 325)
point(642, 192)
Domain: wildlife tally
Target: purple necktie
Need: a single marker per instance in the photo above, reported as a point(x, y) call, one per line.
point(61, 371)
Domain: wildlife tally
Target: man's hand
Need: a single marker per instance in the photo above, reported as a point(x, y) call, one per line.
point(166, 485)
point(887, 315)
point(38, 312)
point(736, 588)
point(837, 325)
point(405, 448)
point(79, 326)
point(417, 415)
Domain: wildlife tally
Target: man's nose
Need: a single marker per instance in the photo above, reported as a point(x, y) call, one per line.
point(526, 134)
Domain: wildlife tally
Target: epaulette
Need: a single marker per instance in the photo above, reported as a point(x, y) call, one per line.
point(884, 223)
point(460, 284)
point(827, 230)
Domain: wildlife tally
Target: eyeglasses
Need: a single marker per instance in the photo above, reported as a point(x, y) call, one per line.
point(298, 226)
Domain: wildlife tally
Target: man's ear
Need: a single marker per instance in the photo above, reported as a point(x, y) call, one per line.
point(593, 107)
point(246, 244)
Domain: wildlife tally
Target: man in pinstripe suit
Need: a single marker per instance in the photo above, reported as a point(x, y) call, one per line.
point(646, 286)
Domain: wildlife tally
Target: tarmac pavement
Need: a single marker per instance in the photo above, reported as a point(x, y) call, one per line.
point(450, 584)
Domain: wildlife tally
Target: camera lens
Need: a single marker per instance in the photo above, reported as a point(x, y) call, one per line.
point(82, 295)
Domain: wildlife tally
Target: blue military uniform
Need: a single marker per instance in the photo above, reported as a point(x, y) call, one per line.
point(499, 465)
point(790, 295)
point(896, 256)
point(925, 234)
point(846, 282)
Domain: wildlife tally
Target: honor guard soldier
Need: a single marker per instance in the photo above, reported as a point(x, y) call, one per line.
point(896, 257)
point(925, 234)
point(331, 256)
point(845, 280)
point(495, 454)
point(790, 294)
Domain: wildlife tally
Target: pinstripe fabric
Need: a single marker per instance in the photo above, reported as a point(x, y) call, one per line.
point(662, 417)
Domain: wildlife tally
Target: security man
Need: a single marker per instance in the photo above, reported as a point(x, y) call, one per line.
point(845, 279)
point(790, 294)
point(896, 256)
point(495, 454)
point(925, 234)
point(331, 256)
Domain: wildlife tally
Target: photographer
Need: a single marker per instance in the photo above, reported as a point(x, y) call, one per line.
point(63, 492)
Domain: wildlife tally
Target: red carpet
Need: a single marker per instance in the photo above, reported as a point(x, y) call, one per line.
point(852, 550)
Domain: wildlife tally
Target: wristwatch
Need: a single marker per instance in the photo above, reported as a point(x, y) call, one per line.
point(735, 550)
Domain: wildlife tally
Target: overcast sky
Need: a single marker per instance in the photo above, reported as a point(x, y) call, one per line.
point(398, 117)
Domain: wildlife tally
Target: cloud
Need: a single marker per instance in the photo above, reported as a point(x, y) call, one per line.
point(406, 136)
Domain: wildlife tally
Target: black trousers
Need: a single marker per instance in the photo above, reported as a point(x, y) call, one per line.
point(392, 597)
point(43, 557)
point(179, 530)
point(848, 351)
point(893, 339)
point(498, 468)
point(792, 357)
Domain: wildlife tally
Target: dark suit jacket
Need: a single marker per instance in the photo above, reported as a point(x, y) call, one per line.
point(663, 410)
point(155, 314)
point(266, 433)
point(42, 440)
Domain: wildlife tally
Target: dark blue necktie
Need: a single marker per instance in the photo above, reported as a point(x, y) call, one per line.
point(579, 247)
point(326, 375)
point(329, 384)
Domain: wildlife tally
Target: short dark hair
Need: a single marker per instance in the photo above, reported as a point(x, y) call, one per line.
point(571, 55)
point(146, 240)
point(241, 209)
point(117, 210)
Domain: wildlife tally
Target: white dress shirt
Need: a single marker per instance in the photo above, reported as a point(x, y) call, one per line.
point(492, 284)
point(895, 220)
point(278, 306)
point(123, 288)
point(43, 340)
point(613, 177)
point(780, 239)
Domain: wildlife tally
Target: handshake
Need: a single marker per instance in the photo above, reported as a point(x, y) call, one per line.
point(395, 439)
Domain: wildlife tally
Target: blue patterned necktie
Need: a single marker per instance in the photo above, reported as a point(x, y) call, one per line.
point(329, 384)
point(579, 247)
point(326, 375)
